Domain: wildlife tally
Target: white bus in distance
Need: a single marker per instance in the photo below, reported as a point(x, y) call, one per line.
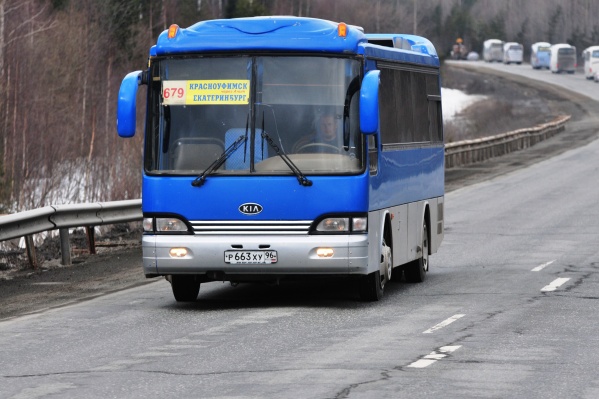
point(493, 50)
point(513, 52)
point(590, 56)
point(563, 58)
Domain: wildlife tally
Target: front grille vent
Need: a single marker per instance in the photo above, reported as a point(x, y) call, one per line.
point(257, 227)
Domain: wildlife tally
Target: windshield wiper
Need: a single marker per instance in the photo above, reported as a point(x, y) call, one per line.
point(301, 178)
point(199, 181)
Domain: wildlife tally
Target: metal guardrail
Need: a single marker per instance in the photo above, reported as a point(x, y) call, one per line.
point(471, 151)
point(63, 217)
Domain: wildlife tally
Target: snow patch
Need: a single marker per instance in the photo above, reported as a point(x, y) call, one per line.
point(455, 101)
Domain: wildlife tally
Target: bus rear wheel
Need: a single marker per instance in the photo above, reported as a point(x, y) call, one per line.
point(415, 271)
point(185, 288)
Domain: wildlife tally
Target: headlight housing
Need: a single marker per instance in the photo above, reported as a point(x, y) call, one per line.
point(343, 224)
point(164, 225)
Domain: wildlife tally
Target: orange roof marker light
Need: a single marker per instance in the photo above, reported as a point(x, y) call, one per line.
point(342, 29)
point(172, 31)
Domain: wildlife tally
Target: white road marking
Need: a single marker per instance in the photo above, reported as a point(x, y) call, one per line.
point(421, 363)
point(432, 357)
point(555, 284)
point(444, 323)
point(541, 267)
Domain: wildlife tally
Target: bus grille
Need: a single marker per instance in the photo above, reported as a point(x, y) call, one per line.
point(257, 227)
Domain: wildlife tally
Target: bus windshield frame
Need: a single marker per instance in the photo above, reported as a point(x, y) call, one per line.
point(303, 106)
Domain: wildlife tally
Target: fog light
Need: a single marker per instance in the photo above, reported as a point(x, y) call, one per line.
point(178, 252)
point(325, 252)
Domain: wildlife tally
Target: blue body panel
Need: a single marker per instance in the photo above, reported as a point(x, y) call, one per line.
point(290, 34)
point(260, 33)
point(407, 176)
point(409, 56)
point(406, 42)
point(281, 196)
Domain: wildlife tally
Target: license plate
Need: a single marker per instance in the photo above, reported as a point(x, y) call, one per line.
point(235, 257)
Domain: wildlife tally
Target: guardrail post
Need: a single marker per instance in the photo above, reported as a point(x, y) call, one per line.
point(91, 239)
point(65, 247)
point(31, 251)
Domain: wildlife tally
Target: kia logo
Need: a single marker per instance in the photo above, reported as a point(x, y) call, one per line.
point(250, 208)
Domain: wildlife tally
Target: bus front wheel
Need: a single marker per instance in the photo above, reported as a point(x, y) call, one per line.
point(372, 286)
point(415, 271)
point(185, 288)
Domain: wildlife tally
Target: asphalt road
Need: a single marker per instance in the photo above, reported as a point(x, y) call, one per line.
point(508, 310)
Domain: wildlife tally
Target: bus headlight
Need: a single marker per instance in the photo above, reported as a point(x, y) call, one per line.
point(170, 225)
point(354, 224)
point(333, 225)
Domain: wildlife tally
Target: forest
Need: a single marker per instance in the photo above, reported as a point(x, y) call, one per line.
point(62, 61)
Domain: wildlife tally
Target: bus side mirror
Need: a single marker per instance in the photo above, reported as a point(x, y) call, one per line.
point(369, 103)
point(126, 107)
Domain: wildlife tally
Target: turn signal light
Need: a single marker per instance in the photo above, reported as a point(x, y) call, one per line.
point(172, 31)
point(342, 29)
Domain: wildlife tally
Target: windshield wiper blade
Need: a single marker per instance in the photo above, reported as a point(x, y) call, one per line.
point(199, 181)
point(301, 178)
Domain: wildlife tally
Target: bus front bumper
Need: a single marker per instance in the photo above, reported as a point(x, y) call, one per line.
point(296, 255)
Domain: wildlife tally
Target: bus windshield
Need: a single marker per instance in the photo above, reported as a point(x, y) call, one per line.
point(243, 112)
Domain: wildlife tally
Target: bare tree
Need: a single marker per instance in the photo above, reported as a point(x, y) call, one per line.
point(61, 63)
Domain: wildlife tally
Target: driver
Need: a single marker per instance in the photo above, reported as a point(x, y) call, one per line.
point(326, 133)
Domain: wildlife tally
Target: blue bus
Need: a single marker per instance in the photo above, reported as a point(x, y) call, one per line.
point(540, 55)
point(288, 147)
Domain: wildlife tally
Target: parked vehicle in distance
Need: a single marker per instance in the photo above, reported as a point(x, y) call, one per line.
point(493, 50)
point(472, 56)
point(513, 52)
point(590, 56)
point(540, 55)
point(563, 58)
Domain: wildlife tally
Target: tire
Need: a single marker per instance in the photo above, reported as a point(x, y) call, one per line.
point(372, 286)
point(415, 271)
point(386, 262)
point(185, 288)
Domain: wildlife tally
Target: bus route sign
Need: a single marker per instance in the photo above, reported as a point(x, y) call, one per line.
point(205, 92)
